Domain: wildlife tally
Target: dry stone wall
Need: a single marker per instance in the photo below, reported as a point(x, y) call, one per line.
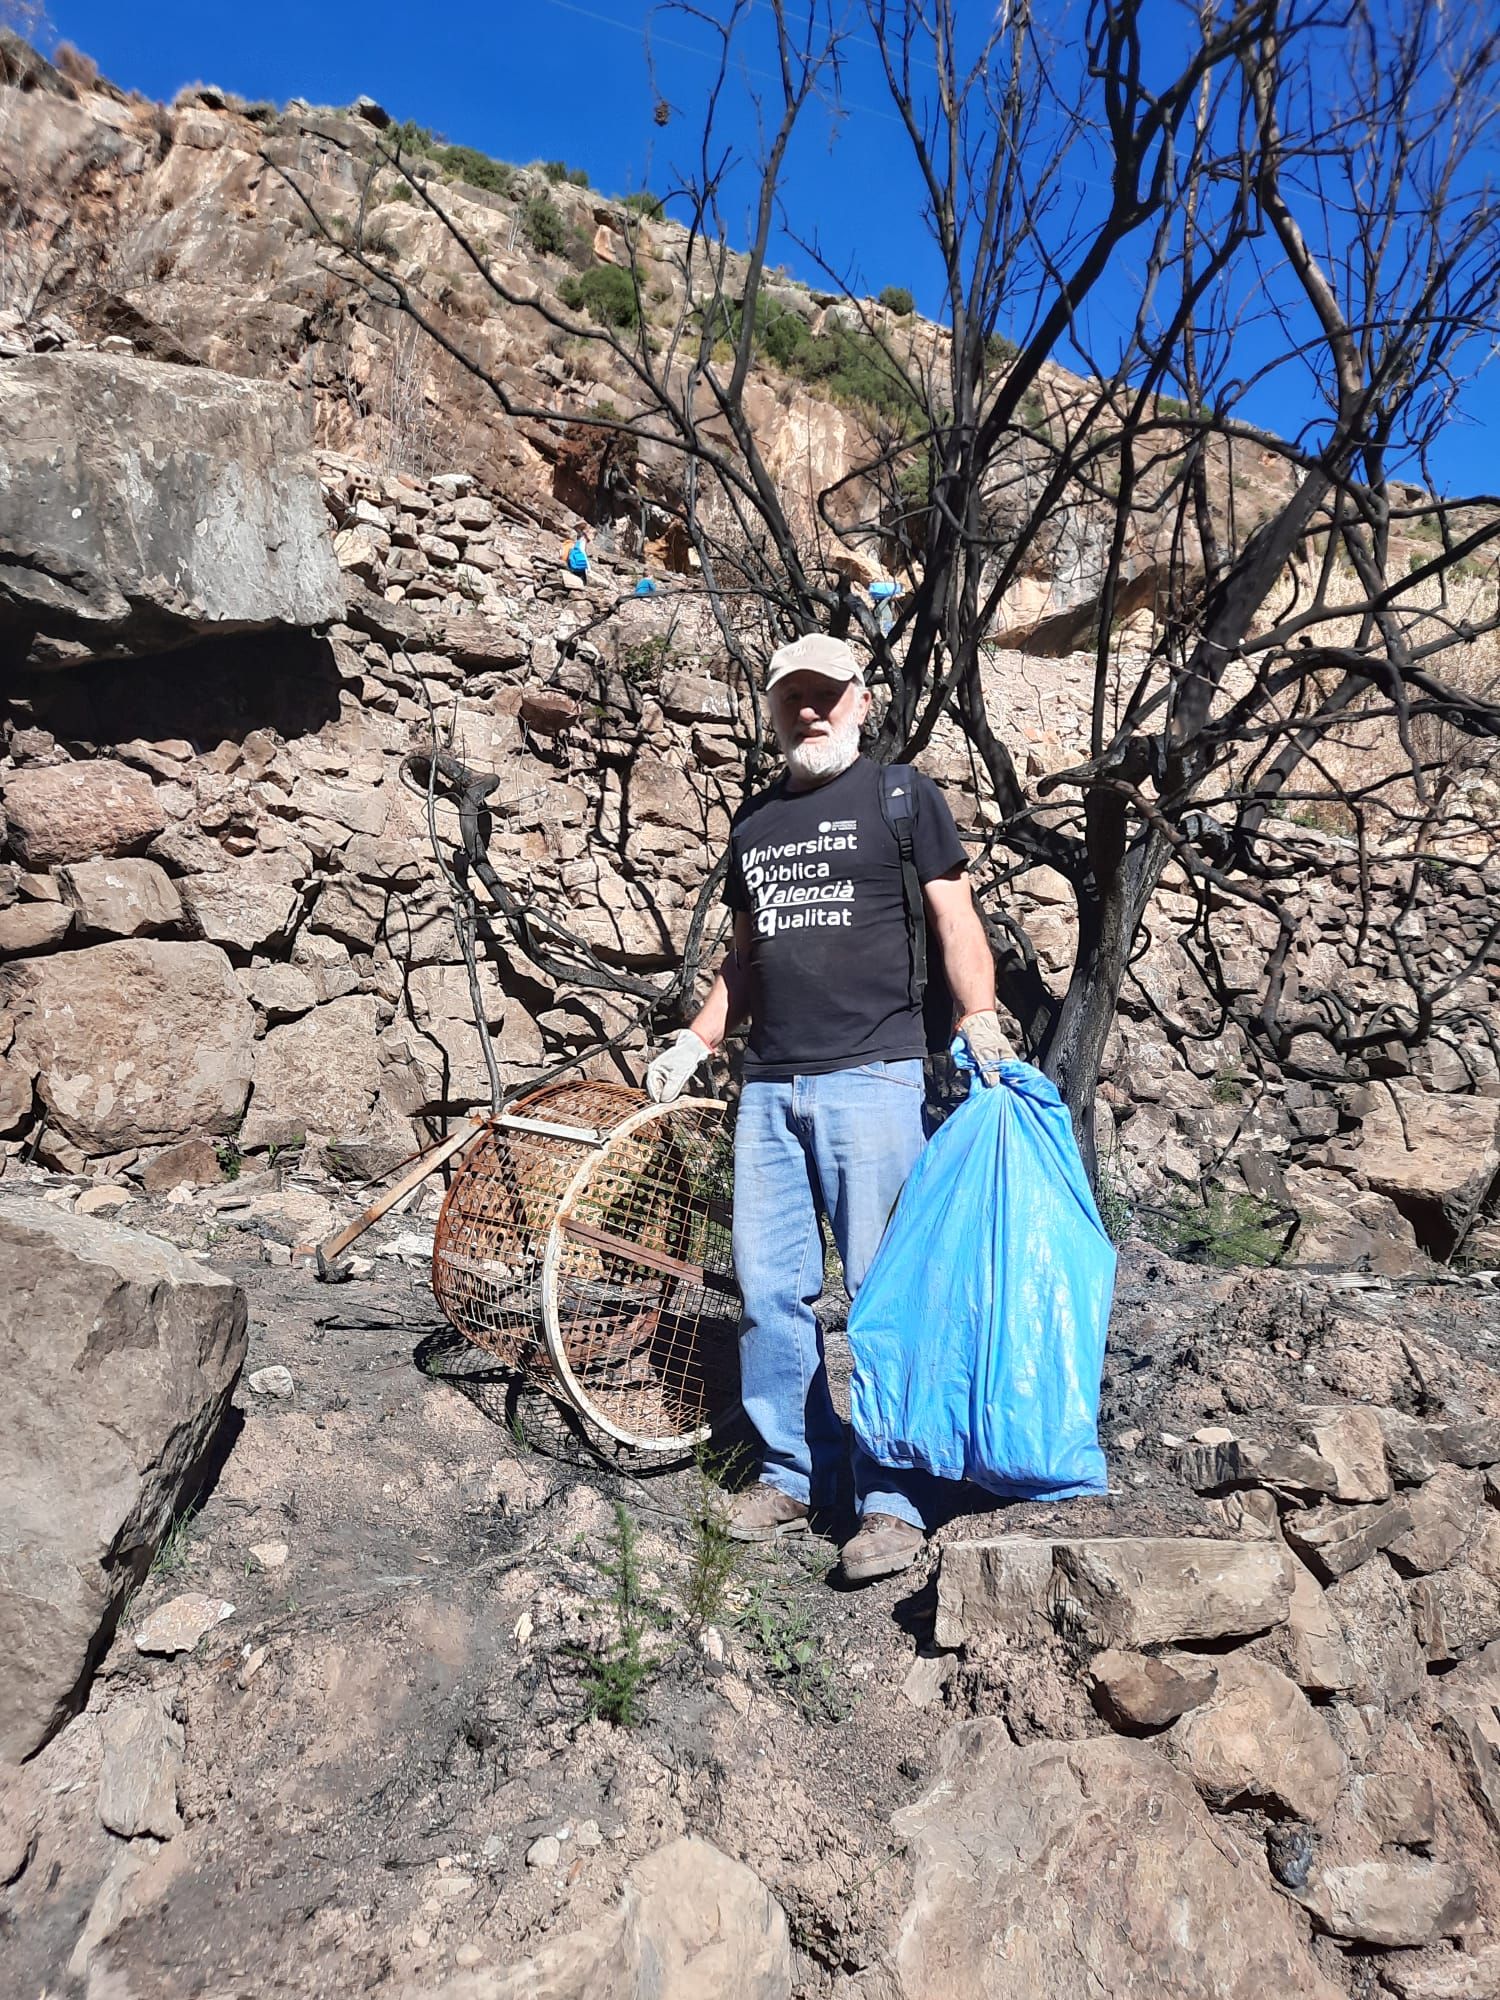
point(222, 915)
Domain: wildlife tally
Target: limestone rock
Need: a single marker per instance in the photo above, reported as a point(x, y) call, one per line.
point(1397, 1809)
point(1409, 1450)
point(1391, 1903)
point(144, 504)
point(250, 907)
point(119, 1355)
point(692, 1925)
point(1257, 1738)
point(70, 812)
point(1457, 1612)
point(316, 1076)
point(178, 1625)
point(1218, 1468)
point(142, 1757)
point(1469, 1718)
point(1146, 1693)
point(28, 927)
point(135, 1042)
point(20, 1816)
point(1435, 1155)
point(282, 992)
point(1315, 1651)
point(123, 898)
point(1454, 1976)
point(1350, 1439)
point(1332, 1539)
point(1078, 1870)
point(1126, 1591)
point(1144, 1591)
point(1443, 1516)
point(996, 1589)
point(190, 1163)
point(1372, 1609)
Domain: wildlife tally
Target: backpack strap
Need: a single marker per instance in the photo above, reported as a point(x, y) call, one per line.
point(898, 802)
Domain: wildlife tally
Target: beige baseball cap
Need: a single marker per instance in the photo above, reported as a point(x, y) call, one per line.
point(815, 653)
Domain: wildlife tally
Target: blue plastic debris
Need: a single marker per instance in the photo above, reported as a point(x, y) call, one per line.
point(978, 1333)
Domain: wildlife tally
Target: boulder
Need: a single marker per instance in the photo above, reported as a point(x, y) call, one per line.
point(1397, 1809)
point(1444, 1514)
point(71, 812)
point(29, 927)
point(1349, 1438)
point(144, 504)
point(1435, 1156)
point(119, 1355)
point(190, 1163)
point(1332, 1540)
point(121, 898)
point(691, 1925)
point(1456, 1975)
point(1390, 1904)
point(20, 1816)
point(247, 907)
point(142, 1757)
point(1159, 1590)
point(1080, 1870)
point(1140, 1692)
point(1312, 1645)
point(1257, 1740)
point(1377, 1622)
point(133, 1043)
point(1468, 1718)
point(1126, 1591)
point(1409, 1451)
point(316, 1076)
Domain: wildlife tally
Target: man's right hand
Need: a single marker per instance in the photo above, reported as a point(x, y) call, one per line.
point(668, 1073)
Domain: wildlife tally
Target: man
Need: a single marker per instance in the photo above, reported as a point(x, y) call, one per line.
point(830, 1117)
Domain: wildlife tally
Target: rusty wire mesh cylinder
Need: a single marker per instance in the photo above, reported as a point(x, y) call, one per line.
point(585, 1241)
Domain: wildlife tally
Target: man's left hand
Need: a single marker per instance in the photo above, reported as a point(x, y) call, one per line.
point(986, 1043)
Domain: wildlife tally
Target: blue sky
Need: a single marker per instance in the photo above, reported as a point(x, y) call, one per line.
point(527, 79)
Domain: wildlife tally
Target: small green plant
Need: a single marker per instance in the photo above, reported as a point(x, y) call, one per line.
point(897, 299)
point(791, 1652)
point(173, 1551)
point(1223, 1229)
point(280, 1148)
point(615, 1676)
point(713, 1557)
point(544, 226)
point(1116, 1211)
point(642, 663)
point(230, 1158)
point(1228, 1088)
point(605, 293)
point(649, 205)
point(402, 191)
point(340, 1165)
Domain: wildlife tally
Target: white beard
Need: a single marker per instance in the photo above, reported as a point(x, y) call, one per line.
point(823, 757)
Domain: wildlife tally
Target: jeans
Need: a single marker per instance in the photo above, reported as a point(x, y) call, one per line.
point(840, 1145)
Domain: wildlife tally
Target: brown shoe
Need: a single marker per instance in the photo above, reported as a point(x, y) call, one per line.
point(763, 1513)
point(883, 1547)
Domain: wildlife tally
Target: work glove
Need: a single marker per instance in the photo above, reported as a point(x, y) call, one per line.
point(668, 1073)
point(982, 1036)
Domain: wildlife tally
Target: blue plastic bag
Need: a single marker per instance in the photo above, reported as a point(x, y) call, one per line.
point(978, 1333)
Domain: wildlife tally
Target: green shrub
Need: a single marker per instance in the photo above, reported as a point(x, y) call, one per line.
point(410, 137)
point(577, 177)
point(605, 293)
point(1224, 1229)
point(555, 170)
point(999, 352)
point(544, 226)
point(649, 205)
point(897, 299)
point(401, 192)
point(844, 363)
point(477, 169)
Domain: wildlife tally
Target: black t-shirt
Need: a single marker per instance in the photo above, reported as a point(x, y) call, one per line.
point(819, 874)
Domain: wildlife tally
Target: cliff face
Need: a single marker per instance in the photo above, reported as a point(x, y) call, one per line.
point(275, 585)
